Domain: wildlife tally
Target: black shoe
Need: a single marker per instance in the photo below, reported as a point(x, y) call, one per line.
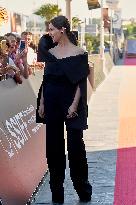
point(85, 197)
point(57, 202)
point(85, 192)
point(58, 196)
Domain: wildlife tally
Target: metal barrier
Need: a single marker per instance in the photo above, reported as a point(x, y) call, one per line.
point(22, 141)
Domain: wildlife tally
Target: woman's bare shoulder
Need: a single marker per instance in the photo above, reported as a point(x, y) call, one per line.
point(79, 50)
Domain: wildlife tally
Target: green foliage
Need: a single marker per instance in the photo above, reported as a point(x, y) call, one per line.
point(96, 21)
point(132, 37)
point(92, 42)
point(130, 29)
point(75, 22)
point(48, 11)
point(134, 29)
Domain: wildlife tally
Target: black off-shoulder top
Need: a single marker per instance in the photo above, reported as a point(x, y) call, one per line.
point(75, 69)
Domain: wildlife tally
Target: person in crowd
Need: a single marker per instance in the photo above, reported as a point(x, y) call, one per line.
point(45, 43)
point(19, 58)
point(31, 55)
point(12, 40)
point(63, 98)
point(31, 52)
point(7, 65)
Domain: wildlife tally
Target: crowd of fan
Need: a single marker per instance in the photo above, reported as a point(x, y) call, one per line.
point(18, 63)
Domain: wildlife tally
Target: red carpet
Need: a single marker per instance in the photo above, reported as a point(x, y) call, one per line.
point(125, 181)
point(125, 188)
point(130, 61)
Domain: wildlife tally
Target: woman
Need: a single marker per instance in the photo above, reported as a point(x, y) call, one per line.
point(64, 99)
point(20, 59)
point(7, 65)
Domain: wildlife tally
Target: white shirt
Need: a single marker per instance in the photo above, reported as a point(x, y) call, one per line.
point(31, 56)
point(11, 62)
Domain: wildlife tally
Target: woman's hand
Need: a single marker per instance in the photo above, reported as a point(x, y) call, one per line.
point(41, 110)
point(21, 55)
point(24, 55)
point(72, 111)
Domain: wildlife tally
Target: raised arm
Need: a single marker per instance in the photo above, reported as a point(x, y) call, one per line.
point(41, 110)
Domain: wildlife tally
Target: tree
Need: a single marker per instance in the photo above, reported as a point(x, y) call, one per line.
point(134, 30)
point(89, 41)
point(75, 23)
point(48, 11)
point(130, 30)
point(92, 43)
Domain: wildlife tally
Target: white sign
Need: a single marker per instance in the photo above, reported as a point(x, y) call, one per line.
point(21, 128)
point(117, 19)
point(112, 4)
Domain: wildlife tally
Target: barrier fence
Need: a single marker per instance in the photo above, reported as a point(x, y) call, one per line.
point(22, 141)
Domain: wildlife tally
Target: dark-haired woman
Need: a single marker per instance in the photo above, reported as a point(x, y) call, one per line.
point(64, 99)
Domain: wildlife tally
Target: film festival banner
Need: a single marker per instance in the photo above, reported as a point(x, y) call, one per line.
point(117, 19)
point(22, 141)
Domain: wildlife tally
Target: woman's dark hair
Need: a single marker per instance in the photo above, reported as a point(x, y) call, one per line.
point(61, 21)
point(26, 33)
point(33, 46)
point(10, 34)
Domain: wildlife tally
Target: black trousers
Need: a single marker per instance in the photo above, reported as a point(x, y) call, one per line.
point(55, 152)
point(57, 101)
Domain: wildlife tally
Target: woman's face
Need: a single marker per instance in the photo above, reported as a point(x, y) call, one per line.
point(55, 33)
point(12, 42)
point(27, 38)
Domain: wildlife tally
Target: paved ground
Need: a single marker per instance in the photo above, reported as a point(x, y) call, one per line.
point(121, 60)
point(101, 142)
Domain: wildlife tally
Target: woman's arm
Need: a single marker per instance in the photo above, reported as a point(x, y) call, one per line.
point(26, 72)
point(77, 97)
point(42, 99)
point(73, 108)
point(41, 106)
